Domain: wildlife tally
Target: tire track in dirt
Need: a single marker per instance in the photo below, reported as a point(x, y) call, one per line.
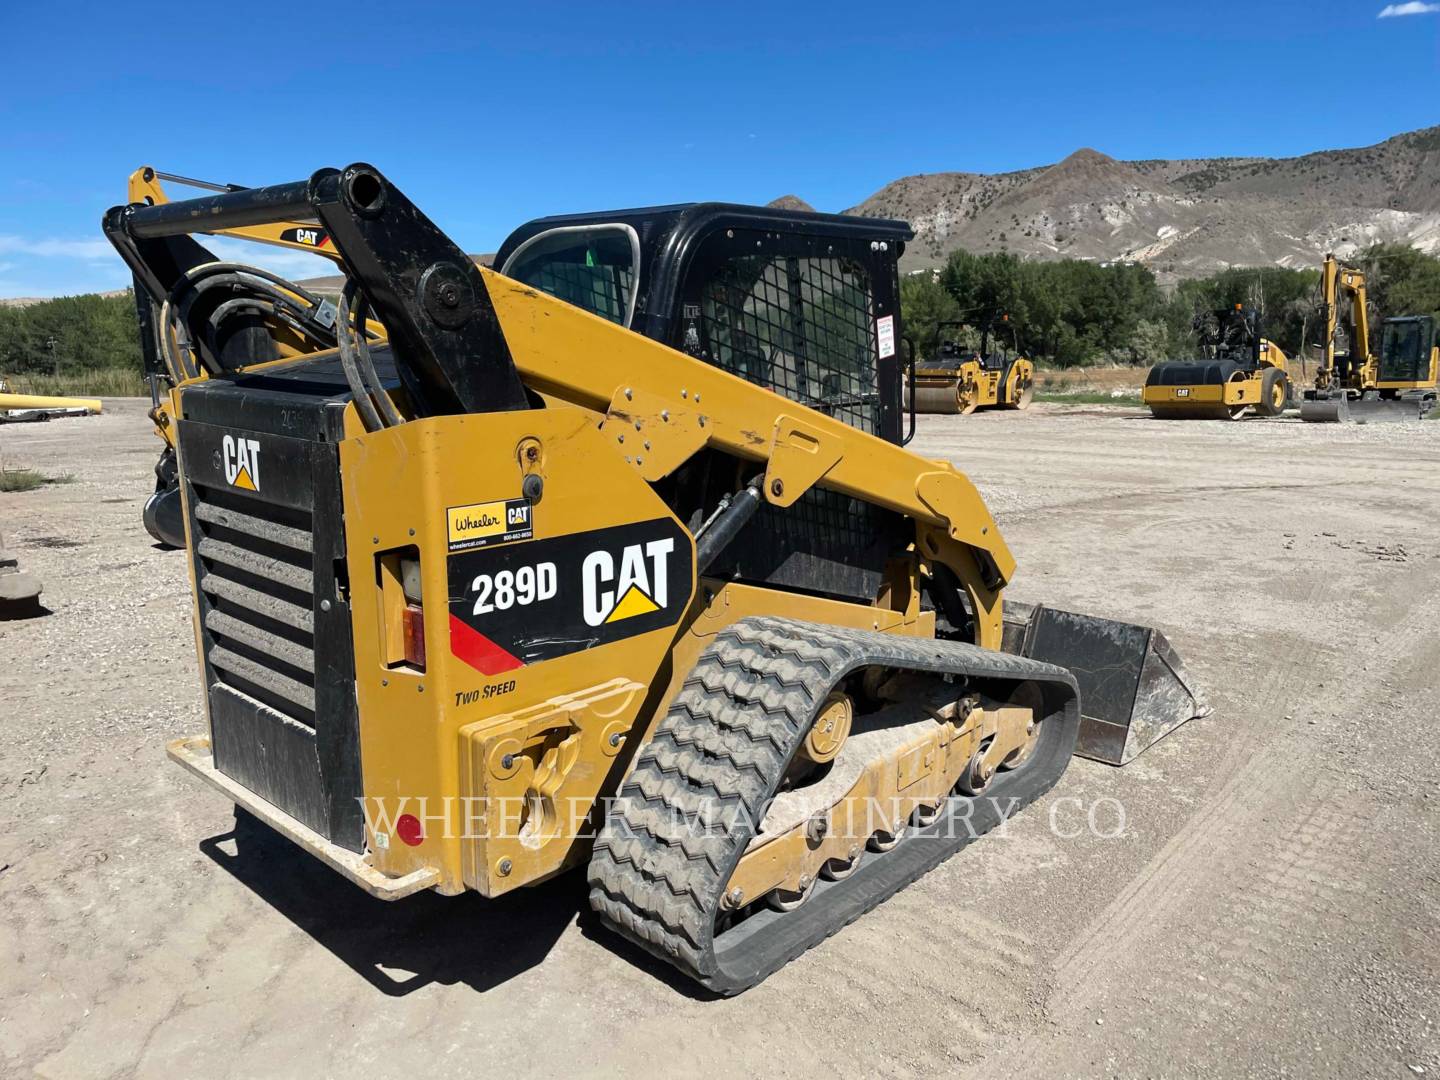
point(974, 971)
point(1265, 837)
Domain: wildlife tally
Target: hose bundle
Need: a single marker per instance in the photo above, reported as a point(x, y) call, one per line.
point(259, 291)
point(371, 401)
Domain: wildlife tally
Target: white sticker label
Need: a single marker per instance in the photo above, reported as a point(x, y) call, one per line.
point(885, 334)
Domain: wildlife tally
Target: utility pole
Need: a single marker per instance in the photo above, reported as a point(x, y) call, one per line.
point(50, 344)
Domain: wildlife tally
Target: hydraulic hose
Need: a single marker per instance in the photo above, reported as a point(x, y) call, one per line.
point(349, 362)
point(388, 412)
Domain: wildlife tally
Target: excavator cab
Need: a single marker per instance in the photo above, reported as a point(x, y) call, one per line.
point(1407, 348)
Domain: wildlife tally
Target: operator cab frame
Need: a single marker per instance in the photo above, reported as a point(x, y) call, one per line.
point(804, 304)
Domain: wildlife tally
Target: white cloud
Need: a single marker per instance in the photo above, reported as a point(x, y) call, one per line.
point(56, 249)
point(1414, 7)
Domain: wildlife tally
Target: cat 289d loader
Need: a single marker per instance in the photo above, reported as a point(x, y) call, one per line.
point(615, 558)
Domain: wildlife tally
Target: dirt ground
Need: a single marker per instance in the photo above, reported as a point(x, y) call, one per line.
point(1267, 906)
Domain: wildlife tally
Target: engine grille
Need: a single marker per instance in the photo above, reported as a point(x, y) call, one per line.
point(256, 571)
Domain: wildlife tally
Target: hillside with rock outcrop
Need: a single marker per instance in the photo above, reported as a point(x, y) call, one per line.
point(1182, 218)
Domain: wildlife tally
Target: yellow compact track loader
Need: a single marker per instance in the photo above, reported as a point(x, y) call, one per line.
point(612, 558)
point(1398, 383)
point(960, 380)
point(1240, 373)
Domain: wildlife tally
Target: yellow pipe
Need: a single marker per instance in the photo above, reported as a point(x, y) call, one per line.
point(32, 401)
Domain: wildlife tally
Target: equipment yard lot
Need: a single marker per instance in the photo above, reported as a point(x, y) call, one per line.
point(1271, 906)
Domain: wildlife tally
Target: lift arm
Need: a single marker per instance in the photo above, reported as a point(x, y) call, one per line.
point(309, 236)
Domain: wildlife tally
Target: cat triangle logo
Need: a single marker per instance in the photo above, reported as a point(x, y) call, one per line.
point(241, 460)
point(640, 579)
point(633, 603)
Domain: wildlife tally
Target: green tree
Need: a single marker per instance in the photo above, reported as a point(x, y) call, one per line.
point(985, 286)
point(1070, 312)
point(925, 304)
point(1401, 280)
point(88, 333)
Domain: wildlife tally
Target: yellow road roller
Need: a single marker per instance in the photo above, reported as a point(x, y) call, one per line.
point(1240, 373)
point(961, 380)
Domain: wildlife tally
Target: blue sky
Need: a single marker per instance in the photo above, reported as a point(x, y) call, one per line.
point(488, 115)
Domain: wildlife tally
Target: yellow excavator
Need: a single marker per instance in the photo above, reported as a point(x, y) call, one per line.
point(613, 558)
point(1240, 372)
point(961, 380)
point(1361, 386)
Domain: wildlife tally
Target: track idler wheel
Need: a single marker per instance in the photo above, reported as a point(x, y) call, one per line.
point(977, 774)
point(831, 728)
point(1022, 755)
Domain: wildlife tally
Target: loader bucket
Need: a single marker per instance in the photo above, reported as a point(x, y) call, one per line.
point(1133, 686)
point(1366, 409)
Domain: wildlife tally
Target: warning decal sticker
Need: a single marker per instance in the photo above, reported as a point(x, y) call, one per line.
point(520, 604)
point(885, 336)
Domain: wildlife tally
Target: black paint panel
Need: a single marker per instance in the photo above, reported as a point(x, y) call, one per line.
point(270, 754)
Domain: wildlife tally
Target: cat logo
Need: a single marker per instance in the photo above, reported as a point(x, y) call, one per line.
point(642, 585)
point(241, 458)
point(311, 237)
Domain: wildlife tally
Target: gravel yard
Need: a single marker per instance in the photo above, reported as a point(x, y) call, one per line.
point(1259, 892)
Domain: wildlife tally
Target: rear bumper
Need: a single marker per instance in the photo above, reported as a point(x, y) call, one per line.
point(194, 754)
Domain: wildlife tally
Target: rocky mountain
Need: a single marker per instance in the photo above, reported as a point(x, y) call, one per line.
point(790, 202)
point(1181, 218)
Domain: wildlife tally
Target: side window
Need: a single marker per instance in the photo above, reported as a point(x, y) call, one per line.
point(590, 266)
point(798, 325)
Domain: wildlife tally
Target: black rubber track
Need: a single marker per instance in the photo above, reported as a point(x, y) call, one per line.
point(688, 808)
